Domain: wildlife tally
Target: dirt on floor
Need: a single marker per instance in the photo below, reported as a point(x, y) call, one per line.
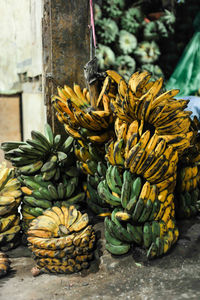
point(132, 276)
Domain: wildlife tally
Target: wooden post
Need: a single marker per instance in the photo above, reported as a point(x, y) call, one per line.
point(66, 48)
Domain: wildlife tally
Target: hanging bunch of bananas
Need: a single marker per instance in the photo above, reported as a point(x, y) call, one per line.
point(141, 99)
point(61, 240)
point(46, 154)
point(4, 264)
point(137, 204)
point(80, 119)
point(40, 194)
point(10, 198)
point(92, 163)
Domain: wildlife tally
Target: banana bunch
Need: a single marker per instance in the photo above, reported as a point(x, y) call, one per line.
point(46, 154)
point(88, 156)
point(156, 236)
point(92, 163)
point(143, 154)
point(4, 264)
point(61, 240)
point(137, 200)
point(192, 155)
point(81, 120)
point(141, 99)
point(95, 202)
point(40, 195)
point(10, 198)
point(187, 191)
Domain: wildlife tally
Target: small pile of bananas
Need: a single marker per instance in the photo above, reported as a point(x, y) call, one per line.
point(46, 154)
point(81, 120)
point(187, 191)
point(40, 194)
point(4, 264)
point(61, 240)
point(10, 198)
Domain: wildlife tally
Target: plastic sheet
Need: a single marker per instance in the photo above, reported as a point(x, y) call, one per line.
point(186, 75)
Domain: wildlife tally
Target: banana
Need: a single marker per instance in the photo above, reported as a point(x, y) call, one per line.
point(135, 232)
point(120, 232)
point(35, 211)
point(146, 212)
point(111, 180)
point(31, 168)
point(118, 152)
point(110, 153)
point(122, 216)
point(147, 235)
point(7, 222)
point(110, 239)
point(106, 195)
point(6, 200)
point(118, 249)
point(31, 201)
point(126, 188)
point(101, 169)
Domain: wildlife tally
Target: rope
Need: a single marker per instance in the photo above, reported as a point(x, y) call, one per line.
point(92, 23)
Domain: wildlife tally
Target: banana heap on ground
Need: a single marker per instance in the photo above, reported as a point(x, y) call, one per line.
point(10, 198)
point(4, 264)
point(81, 120)
point(61, 240)
point(187, 191)
point(47, 154)
point(40, 195)
point(91, 162)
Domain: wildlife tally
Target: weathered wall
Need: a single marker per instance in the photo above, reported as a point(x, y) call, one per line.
point(21, 58)
point(20, 43)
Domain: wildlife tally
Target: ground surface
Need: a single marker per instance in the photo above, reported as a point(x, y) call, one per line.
point(174, 276)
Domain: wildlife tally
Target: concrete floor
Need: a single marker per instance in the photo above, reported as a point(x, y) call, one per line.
point(174, 276)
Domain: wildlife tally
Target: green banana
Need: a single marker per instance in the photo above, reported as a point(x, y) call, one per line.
point(101, 169)
point(28, 200)
point(110, 239)
point(138, 210)
point(31, 168)
point(49, 134)
point(48, 175)
point(36, 135)
point(116, 176)
point(106, 195)
point(135, 233)
point(146, 212)
point(34, 211)
point(126, 188)
point(110, 181)
point(147, 235)
point(67, 145)
point(53, 191)
point(61, 190)
point(118, 250)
